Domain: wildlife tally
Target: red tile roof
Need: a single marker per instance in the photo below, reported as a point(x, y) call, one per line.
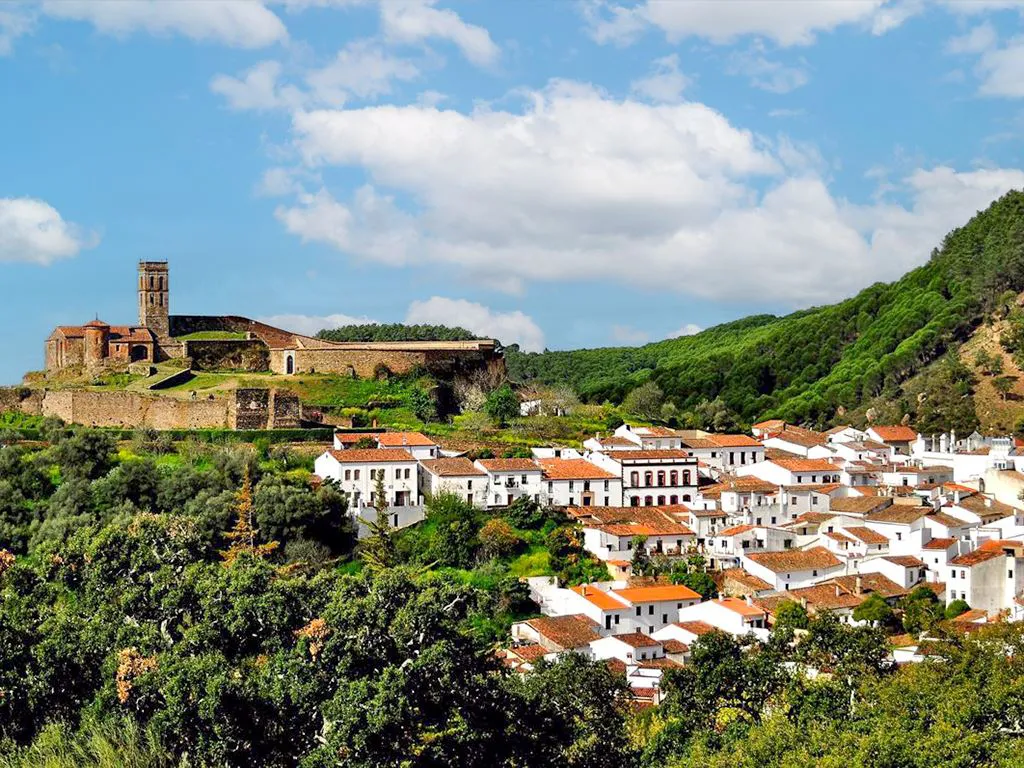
point(895, 434)
point(658, 593)
point(734, 441)
point(806, 465)
point(974, 558)
point(402, 439)
point(741, 607)
point(795, 560)
point(371, 455)
point(648, 455)
point(636, 640)
point(455, 467)
point(938, 543)
point(510, 465)
point(573, 631)
point(573, 469)
point(696, 627)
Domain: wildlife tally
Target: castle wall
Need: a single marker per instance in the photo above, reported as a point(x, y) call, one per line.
point(27, 401)
point(132, 409)
point(364, 363)
point(227, 354)
point(250, 408)
point(285, 410)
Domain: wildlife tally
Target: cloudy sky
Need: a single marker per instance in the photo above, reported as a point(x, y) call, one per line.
point(556, 173)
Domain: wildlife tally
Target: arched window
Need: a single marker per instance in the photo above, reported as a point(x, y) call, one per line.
point(661, 479)
point(634, 501)
point(686, 477)
point(661, 501)
point(673, 478)
point(634, 479)
point(289, 364)
point(686, 497)
point(648, 501)
point(648, 479)
point(674, 500)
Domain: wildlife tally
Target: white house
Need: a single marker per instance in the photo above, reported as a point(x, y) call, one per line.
point(905, 570)
point(510, 479)
point(899, 438)
point(650, 438)
point(621, 608)
point(726, 548)
point(568, 482)
point(795, 471)
point(844, 434)
point(793, 568)
point(457, 475)
point(990, 578)
point(729, 614)
point(557, 634)
point(356, 470)
point(608, 532)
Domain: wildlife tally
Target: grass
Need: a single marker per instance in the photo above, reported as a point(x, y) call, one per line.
point(536, 561)
point(212, 336)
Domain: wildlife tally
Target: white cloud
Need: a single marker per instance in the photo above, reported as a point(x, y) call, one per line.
point(627, 335)
point(239, 23)
point(361, 68)
point(563, 191)
point(772, 76)
point(787, 22)
point(1002, 70)
point(508, 327)
point(978, 39)
point(33, 231)
point(311, 324)
point(784, 112)
point(415, 21)
point(14, 22)
point(258, 88)
point(665, 83)
point(690, 329)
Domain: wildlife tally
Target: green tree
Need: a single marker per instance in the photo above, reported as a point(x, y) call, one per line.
point(640, 564)
point(378, 550)
point(921, 610)
point(956, 608)
point(502, 405)
point(1003, 385)
point(645, 402)
point(498, 539)
point(873, 610)
point(789, 614)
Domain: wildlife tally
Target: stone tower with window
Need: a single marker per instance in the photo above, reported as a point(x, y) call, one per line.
point(153, 298)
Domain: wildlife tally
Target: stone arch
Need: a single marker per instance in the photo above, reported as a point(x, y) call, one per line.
point(138, 353)
point(289, 364)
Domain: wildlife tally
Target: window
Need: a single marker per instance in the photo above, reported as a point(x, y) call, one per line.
point(551, 487)
point(572, 485)
point(606, 500)
point(792, 500)
point(674, 499)
point(348, 474)
point(686, 497)
point(469, 485)
point(664, 618)
point(963, 574)
point(650, 610)
point(643, 654)
point(661, 479)
point(673, 477)
point(355, 474)
point(616, 618)
point(648, 479)
point(814, 478)
point(523, 480)
point(607, 622)
point(679, 605)
point(634, 478)
point(661, 501)
point(648, 501)
point(899, 536)
point(398, 474)
point(686, 477)
point(814, 573)
point(638, 610)
point(407, 471)
point(732, 457)
point(634, 501)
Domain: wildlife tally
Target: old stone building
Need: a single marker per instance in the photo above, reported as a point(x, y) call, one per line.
point(248, 344)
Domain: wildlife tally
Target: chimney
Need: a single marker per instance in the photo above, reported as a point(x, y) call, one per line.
point(988, 502)
point(839, 591)
point(956, 495)
point(858, 586)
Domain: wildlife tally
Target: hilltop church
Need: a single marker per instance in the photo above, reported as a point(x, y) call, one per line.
point(246, 344)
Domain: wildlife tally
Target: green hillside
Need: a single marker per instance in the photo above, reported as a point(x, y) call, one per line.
point(810, 365)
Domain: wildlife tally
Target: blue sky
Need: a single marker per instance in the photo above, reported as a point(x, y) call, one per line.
point(558, 174)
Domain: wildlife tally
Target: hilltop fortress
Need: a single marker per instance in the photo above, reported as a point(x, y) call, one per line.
point(238, 343)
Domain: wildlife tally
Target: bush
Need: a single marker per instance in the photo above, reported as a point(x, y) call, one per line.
point(956, 608)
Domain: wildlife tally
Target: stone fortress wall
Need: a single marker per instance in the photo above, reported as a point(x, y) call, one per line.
point(239, 409)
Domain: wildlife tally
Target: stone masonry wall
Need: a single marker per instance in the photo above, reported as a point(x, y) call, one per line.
point(250, 408)
point(132, 409)
point(21, 399)
point(285, 410)
point(363, 363)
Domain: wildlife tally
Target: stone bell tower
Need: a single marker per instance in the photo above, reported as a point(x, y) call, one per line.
point(154, 312)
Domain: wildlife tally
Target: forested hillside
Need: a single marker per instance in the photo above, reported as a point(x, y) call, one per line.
point(810, 365)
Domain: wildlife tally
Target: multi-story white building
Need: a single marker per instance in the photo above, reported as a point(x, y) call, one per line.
point(511, 479)
point(793, 568)
point(456, 475)
point(653, 477)
point(572, 482)
point(356, 471)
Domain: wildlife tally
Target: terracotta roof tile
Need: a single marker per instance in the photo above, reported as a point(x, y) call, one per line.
point(696, 627)
point(741, 607)
point(402, 439)
point(637, 640)
point(572, 631)
point(795, 560)
point(372, 455)
point(509, 465)
point(897, 434)
point(455, 467)
point(866, 535)
point(573, 469)
point(649, 455)
point(657, 593)
point(937, 543)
